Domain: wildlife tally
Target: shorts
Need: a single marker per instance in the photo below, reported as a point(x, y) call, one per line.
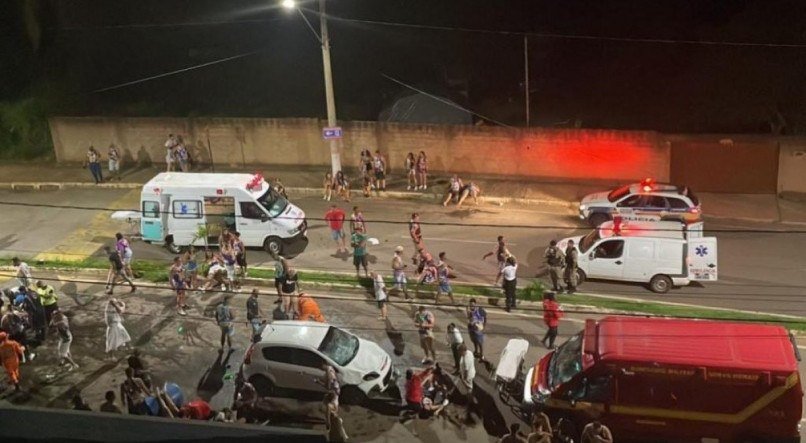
point(414, 406)
point(227, 329)
point(256, 323)
point(230, 271)
point(445, 288)
point(381, 303)
point(336, 234)
point(380, 175)
point(114, 165)
point(278, 281)
point(360, 260)
point(400, 280)
point(127, 260)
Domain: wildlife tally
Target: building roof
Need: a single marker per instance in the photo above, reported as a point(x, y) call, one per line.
point(711, 344)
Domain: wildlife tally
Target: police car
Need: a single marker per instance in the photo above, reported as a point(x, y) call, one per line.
point(644, 201)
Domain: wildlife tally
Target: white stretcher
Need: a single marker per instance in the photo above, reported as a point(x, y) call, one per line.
point(130, 217)
point(509, 372)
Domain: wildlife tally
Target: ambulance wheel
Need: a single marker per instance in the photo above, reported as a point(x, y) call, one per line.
point(581, 277)
point(660, 284)
point(597, 219)
point(273, 245)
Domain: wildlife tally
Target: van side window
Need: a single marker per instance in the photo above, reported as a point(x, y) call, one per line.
point(151, 209)
point(610, 249)
point(252, 211)
point(187, 209)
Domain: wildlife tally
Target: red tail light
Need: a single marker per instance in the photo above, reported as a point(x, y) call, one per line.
point(247, 358)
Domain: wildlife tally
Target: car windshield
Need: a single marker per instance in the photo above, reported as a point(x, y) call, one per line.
point(587, 241)
point(566, 361)
point(274, 203)
point(618, 193)
point(339, 346)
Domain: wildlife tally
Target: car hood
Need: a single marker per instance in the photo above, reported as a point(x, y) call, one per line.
point(370, 358)
point(291, 217)
point(596, 197)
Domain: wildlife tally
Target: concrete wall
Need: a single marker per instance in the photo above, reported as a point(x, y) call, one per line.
point(538, 152)
point(792, 165)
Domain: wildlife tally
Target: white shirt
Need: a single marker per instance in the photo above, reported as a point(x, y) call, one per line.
point(24, 270)
point(380, 288)
point(509, 272)
point(467, 367)
point(455, 337)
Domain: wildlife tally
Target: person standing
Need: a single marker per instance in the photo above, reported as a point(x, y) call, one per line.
point(114, 162)
point(425, 321)
point(62, 325)
point(380, 294)
point(359, 243)
point(181, 155)
point(596, 432)
point(476, 323)
point(125, 250)
point(32, 305)
point(191, 267)
point(335, 220)
point(416, 234)
point(170, 144)
point(455, 340)
point(510, 281)
point(327, 186)
point(501, 252)
point(290, 290)
point(253, 313)
point(240, 254)
point(23, 273)
point(357, 221)
point(411, 172)
point(334, 423)
point(48, 298)
point(512, 436)
point(116, 334)
point(467, 373)
point(280, 266)
point(11, 353)
point(399, 272)
point(570, 272)
point(176, 275)
point(421, 168)
point(444, 283)
point(379, 167)
point(133, 393)
point(116, 270)
point(93, 162)
point(555, 261)
point(552, 313)
point(224, 317)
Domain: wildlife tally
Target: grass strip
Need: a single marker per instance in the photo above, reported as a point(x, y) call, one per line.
point(157, 272)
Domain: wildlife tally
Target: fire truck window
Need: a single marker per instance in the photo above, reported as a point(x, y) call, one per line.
point(610, 249)
point(598, 389)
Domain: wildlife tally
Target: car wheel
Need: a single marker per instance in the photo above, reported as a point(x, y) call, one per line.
point(263, 386)
point(598, 218)
point(352, 395)
point(660, 284)
point(273, 245)
point(581, 276)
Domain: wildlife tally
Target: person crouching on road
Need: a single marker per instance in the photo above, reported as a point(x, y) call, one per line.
point(469, 190)
point(308, 309)
point(454, 188)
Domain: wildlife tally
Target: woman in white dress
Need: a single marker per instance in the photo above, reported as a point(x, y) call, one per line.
point(116, 334)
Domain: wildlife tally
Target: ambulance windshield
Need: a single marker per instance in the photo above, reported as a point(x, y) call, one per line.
point(274, 203)
point(566, 361)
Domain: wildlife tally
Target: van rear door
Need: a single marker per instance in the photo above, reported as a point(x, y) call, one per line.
point(702, 259)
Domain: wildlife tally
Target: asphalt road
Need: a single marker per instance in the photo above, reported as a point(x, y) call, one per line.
point(757, 271)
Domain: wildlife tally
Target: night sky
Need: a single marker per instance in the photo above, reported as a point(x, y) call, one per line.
point(581, 71)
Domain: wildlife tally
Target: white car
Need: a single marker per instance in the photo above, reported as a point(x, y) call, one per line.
point(644, 201)
point(290, 355)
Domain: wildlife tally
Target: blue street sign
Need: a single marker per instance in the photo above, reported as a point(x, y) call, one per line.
point(331, 133)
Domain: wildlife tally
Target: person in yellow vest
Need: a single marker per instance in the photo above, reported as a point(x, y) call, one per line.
point(48, 298)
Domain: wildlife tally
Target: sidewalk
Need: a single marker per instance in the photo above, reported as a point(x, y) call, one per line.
point(499, 190)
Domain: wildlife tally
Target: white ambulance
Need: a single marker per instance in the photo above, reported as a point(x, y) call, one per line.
point(175, 205)
point(663, 254)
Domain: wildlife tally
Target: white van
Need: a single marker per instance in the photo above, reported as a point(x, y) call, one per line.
point(175, 205)
point(662, 254)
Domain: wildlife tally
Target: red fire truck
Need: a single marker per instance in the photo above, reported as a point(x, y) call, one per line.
point(653, 379)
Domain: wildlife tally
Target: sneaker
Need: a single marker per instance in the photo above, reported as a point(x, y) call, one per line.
point(181, 311)
point(408, 188)
point(445, 402)
point(31, 357)
point(425, 187)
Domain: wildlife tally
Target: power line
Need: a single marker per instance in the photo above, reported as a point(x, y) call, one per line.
point(167, 25)
point(423, 223)
point(442, 305)
point(564, 36)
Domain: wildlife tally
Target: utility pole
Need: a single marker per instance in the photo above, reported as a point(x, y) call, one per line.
point(525, 74)
point(335, 156)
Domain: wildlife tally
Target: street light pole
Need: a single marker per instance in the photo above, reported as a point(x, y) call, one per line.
point(335, 156)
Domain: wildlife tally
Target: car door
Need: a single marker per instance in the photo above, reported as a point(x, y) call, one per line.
point(279, 363)
point(152, 221)
point(310, 375)
point(628, 205)
point(253, 223)
point(605, 259)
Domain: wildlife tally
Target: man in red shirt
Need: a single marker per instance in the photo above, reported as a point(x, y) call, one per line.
point(552, 313)
point(414, 388)
point(335, 219)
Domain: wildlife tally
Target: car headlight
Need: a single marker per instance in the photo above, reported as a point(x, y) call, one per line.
point(371, 376)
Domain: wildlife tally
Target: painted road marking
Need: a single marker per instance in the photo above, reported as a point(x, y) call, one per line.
point(83, 242)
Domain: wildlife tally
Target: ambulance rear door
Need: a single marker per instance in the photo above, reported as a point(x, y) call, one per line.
point(702, 259)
